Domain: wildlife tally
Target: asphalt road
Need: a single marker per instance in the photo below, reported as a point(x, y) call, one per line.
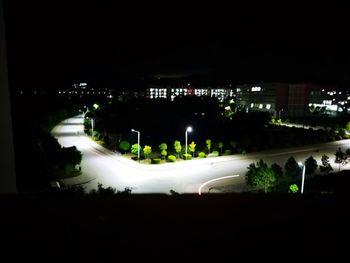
point(100, 165)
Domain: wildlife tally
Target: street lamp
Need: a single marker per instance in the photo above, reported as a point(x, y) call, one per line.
point(84, 112)
point(138, 142)
point(303, 178)
point(92, 127)
point(279, 113)
point(189, 129)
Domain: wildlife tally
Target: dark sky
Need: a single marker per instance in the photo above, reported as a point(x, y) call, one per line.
point(56, 42)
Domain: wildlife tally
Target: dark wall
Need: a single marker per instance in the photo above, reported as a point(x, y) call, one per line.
point(7, 173)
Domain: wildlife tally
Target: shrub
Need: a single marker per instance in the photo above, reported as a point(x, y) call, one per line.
point(124, 146)
point(187, 156)
point(96, 135)
point(338, 137)
point(172, 158)
point(227, 152)
point(342, 132)
point(155, 161)
point(202, 155)
point(214, 154)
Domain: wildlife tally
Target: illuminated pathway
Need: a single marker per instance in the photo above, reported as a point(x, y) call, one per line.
point(100, 165)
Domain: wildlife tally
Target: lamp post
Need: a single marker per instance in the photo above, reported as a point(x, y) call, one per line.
point(189, 129)
point(279, 113)
point(303, 178)
point(84, 112)
point(138, 142)
point(92, 127)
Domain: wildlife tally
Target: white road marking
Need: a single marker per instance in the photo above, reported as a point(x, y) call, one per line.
point(213, 180)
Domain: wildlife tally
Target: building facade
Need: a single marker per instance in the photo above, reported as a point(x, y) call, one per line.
point(171, 92)
point(295, 100)
point(268, 97)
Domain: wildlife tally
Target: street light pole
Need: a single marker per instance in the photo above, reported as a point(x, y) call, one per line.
point(138, 142)
point(302, 178)
point(189, 129)
point(84, 112)
point(92, 127)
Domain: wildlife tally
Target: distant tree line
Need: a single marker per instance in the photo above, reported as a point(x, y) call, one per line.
point(162, 122)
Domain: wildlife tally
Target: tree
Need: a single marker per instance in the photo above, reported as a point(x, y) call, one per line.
point(135, 149)
point(340, 158)
point(347, 152)
point(192, 147)
point(326, 166)
point(71, 156)
point(220, 146)
point(259, 175)
point(208, 143)
point(147, 150)
point(177, 147)
point(293, 188)
point(347, 126)
point(124, 146)
point(163, 147)
point(310, 165)
point(233, 144)
point(292, 168)
point(277, 170)
point(342, 132)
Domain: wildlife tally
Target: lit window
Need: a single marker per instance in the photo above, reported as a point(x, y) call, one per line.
point(268, 106)
point(256, 89)
point(260, 106)
point(252, 105)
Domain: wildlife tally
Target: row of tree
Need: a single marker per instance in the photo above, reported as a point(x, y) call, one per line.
point(261, 176)
point(178, 149)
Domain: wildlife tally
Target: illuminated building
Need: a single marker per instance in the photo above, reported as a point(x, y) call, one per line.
point(171, 92)
point(286, 99)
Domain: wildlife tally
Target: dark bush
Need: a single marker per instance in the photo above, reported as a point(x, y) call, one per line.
point(227, 152)
point(156, 160)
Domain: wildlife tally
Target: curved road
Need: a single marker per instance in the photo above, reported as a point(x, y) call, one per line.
point(100, 165)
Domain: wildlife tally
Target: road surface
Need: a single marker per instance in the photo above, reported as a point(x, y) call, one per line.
point(100, 165)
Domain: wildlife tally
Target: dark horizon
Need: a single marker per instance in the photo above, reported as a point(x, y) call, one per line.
point(60, 44)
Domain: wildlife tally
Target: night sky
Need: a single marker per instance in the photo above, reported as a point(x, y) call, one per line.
point(62, 42)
